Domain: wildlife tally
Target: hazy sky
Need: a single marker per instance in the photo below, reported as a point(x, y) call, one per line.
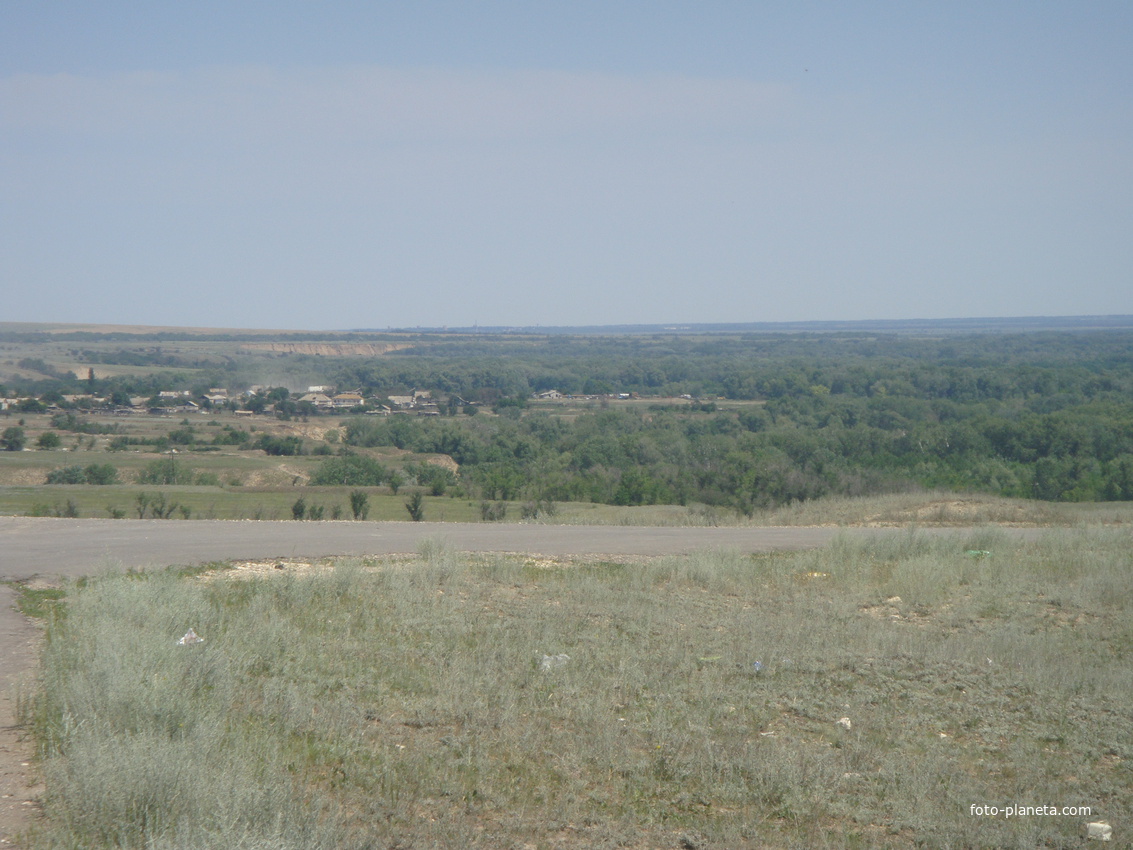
point(372, 164)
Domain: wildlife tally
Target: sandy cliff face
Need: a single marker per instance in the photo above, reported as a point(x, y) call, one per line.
point(326, 349)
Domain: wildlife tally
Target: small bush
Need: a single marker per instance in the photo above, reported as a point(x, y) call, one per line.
point(359, 504)
point(101, 473)
point(67, 475)
point(416, 507)
point(493, 511)
point(67, 509)
point(230, 436)
point(154, 505)
point(537, 509)
point(48, 440)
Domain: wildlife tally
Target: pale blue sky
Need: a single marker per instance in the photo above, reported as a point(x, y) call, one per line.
point(337, 165)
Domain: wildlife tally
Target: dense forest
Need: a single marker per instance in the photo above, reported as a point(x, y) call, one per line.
point(1045, 415)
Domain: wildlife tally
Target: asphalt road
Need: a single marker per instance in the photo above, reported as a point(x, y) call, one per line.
point(45, 547)
point(62, 547)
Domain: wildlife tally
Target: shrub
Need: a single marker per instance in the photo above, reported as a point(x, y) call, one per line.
point(279, 445)
point(70, 422)
point(101, 473)
point(536, 509)
point(493, 511)
point(158, 506)
point(93, 474)
point(416, 507)
point(67, 475)
point(437, 478)
point(359, 504)
point(48, 440)
point(351, 471)
point(230, 436)
point(68, 509)
point(396, 479)
point(184, 436)
point(165, 471)
point(13, 439)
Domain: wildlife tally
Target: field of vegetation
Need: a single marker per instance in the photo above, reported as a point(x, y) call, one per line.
point(732, 425)
point(864, 695)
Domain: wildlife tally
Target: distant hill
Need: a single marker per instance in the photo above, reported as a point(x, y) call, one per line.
point(907, 326)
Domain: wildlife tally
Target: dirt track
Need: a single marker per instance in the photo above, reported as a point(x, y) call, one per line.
point(70, 548)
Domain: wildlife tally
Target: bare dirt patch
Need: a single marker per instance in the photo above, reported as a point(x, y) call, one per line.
point(958, 512)
point(25, 477)
point(20, 785)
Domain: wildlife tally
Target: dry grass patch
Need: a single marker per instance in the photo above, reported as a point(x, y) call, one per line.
point(454, 701)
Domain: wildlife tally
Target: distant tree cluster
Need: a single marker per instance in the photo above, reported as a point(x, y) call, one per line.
point(790, 449)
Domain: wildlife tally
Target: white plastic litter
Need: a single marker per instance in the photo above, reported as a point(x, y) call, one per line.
point(190, 638)
point(550, 662)
point(1099, 831)
point(845, 723)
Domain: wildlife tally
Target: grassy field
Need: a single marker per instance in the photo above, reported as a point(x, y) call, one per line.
point(234, 483)
point(230, 482)
point(856, 696)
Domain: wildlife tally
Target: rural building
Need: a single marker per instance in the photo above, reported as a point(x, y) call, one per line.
point(347, 400)
point(321, 401)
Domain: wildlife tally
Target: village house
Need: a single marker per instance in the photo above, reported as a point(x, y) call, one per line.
point(321, 401)
point(347, 400)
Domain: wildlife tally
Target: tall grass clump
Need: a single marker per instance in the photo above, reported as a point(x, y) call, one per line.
point(491, 701)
